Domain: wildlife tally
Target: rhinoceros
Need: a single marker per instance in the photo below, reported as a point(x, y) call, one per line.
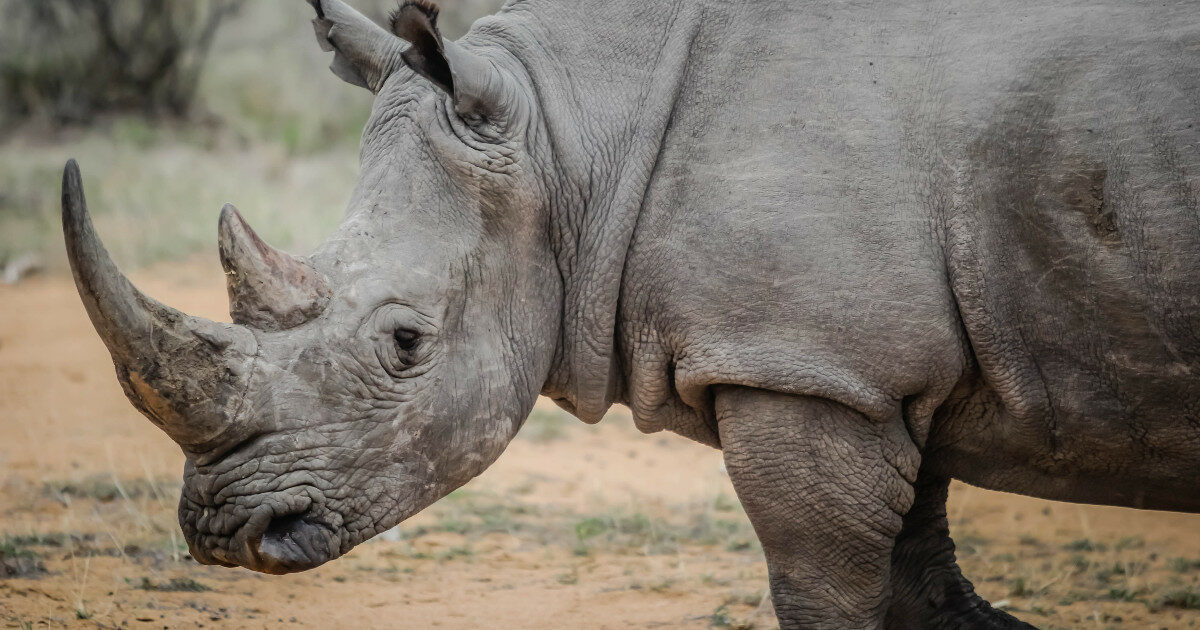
point(863, 248)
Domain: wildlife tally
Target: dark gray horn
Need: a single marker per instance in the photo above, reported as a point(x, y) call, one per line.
point(187, 374)
point(268, 289)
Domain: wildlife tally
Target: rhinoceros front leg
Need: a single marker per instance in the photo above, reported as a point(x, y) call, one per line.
point(826, 490)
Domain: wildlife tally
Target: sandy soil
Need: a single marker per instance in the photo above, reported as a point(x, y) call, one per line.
point(575, 526)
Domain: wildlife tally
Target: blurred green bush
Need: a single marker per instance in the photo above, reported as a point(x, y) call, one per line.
point(69, 60)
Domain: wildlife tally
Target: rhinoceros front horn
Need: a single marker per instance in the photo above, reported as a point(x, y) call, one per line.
point(268, 289)
point(187, 374)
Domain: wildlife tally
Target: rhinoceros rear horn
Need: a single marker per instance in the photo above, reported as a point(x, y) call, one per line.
point(268, 289)
point(186, 374)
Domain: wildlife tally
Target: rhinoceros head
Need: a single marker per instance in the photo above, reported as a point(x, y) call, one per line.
point(360, 384)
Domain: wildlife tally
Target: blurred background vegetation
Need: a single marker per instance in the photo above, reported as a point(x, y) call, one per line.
point(172, 109)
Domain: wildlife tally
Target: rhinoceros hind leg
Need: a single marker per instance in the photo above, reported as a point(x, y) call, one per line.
point(929, 591)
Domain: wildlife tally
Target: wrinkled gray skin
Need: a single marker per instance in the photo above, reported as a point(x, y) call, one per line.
point(863, 248)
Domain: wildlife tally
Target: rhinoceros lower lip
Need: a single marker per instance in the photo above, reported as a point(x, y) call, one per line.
point(291, 543)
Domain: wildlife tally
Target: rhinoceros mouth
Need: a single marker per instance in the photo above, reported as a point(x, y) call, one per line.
point(281, 535)
point(295, 542)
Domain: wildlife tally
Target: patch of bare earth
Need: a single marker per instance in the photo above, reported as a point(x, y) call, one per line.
point(575, 526)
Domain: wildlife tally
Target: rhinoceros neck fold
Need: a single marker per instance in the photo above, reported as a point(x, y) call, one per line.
point(606, 76)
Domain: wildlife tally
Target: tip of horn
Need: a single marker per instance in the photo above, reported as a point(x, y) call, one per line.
point(71, 171)
point(73, 204)
point(234, 233)
point(83, 247)
point(226, 226)
point(228, 213)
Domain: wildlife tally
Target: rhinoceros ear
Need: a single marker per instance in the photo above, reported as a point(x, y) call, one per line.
point(365, 54)
point(475, 84)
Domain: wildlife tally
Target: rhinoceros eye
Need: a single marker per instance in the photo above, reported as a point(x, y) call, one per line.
point(403, 340)
point(406, 353)
point(406, 339)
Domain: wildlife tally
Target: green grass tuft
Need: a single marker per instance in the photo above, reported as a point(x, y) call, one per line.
point(176, 584)
point(1084, 544)
point(1183, 565)
point(1185, 598)
point(13, 547)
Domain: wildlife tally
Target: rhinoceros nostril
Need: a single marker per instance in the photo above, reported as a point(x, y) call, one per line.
point(292, 543)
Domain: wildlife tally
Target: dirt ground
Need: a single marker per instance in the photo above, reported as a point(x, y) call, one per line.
point(575, 526)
